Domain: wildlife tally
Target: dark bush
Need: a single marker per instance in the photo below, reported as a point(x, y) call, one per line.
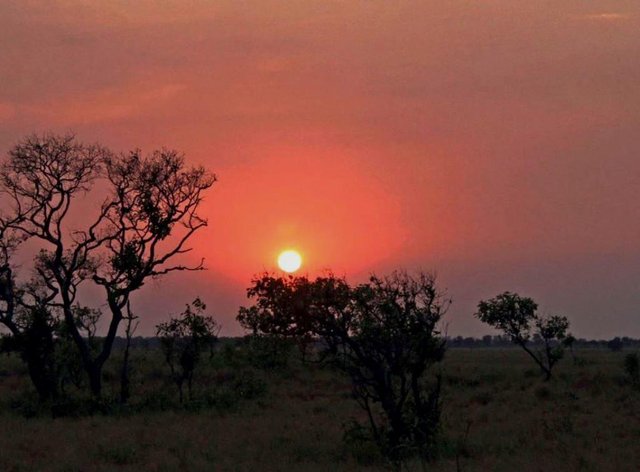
point(632, 368)
point(267, 351)
point(183, 341)
point(615, 344)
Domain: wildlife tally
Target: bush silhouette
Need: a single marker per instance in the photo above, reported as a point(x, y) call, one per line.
point(383, 334)
point(385, 337)
point(632, 368)
point(280, 315)
point(615, 344)
point(183, 340)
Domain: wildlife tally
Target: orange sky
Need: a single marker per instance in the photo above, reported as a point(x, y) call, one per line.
point(494, 142)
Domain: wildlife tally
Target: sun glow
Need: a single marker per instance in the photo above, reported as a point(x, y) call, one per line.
point(289, 260)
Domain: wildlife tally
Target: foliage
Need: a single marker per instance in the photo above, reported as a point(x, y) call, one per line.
point(517, 317)
point(386, 339)
point(36, 344)
point(183, 340)
point(383, 334)
point(280, 311)
point(266, 351)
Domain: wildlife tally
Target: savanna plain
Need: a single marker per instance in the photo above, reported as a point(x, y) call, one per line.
point(498, 414)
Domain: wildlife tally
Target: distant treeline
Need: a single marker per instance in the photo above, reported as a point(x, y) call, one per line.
point(488, 341)
point(615, 344)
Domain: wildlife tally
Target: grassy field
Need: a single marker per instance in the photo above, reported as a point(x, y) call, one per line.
point(498, 415)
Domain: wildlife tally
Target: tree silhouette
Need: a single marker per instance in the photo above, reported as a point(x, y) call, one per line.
point(281, 311)
point(386, 338)
point(383, 334)
point(616, 344)
point(517, 317)
point(183, 339)
point(147, 218)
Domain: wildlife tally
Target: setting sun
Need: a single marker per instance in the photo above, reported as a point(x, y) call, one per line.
point(289, 260)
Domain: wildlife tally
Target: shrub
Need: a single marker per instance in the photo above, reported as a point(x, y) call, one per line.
point(268, 352)
point(361, 445)
point(632, 368)
point(183, 339)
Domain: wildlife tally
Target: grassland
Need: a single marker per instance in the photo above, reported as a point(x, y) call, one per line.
point(498, 415)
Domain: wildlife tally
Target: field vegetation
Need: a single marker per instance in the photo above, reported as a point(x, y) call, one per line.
point(498, 414)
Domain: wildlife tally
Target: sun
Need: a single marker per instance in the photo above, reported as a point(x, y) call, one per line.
point(289, 260)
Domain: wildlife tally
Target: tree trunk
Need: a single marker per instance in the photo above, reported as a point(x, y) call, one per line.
point(42, 379)
point(546, 370)
point(37, 350)
point(94, 367)
point(124, 377)
point(124, 374)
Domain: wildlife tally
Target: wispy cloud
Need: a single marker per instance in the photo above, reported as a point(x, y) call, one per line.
point(107, 104)
point(609, 16)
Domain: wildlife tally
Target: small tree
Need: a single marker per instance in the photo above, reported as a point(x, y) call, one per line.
point(517, 317)
point(183, 339)
point(384, 335)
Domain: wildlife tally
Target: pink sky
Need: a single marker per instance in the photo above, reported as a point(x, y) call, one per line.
point(494, 142)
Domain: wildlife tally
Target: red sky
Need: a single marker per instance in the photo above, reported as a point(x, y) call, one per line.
point(494, 142)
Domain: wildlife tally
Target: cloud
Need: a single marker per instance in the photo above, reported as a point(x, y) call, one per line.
point(107, 104)
point(611, 16)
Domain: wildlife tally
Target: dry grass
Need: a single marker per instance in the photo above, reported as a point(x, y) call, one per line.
point(498, 415)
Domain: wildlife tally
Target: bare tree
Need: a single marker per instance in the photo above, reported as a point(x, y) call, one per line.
point(146, 220)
